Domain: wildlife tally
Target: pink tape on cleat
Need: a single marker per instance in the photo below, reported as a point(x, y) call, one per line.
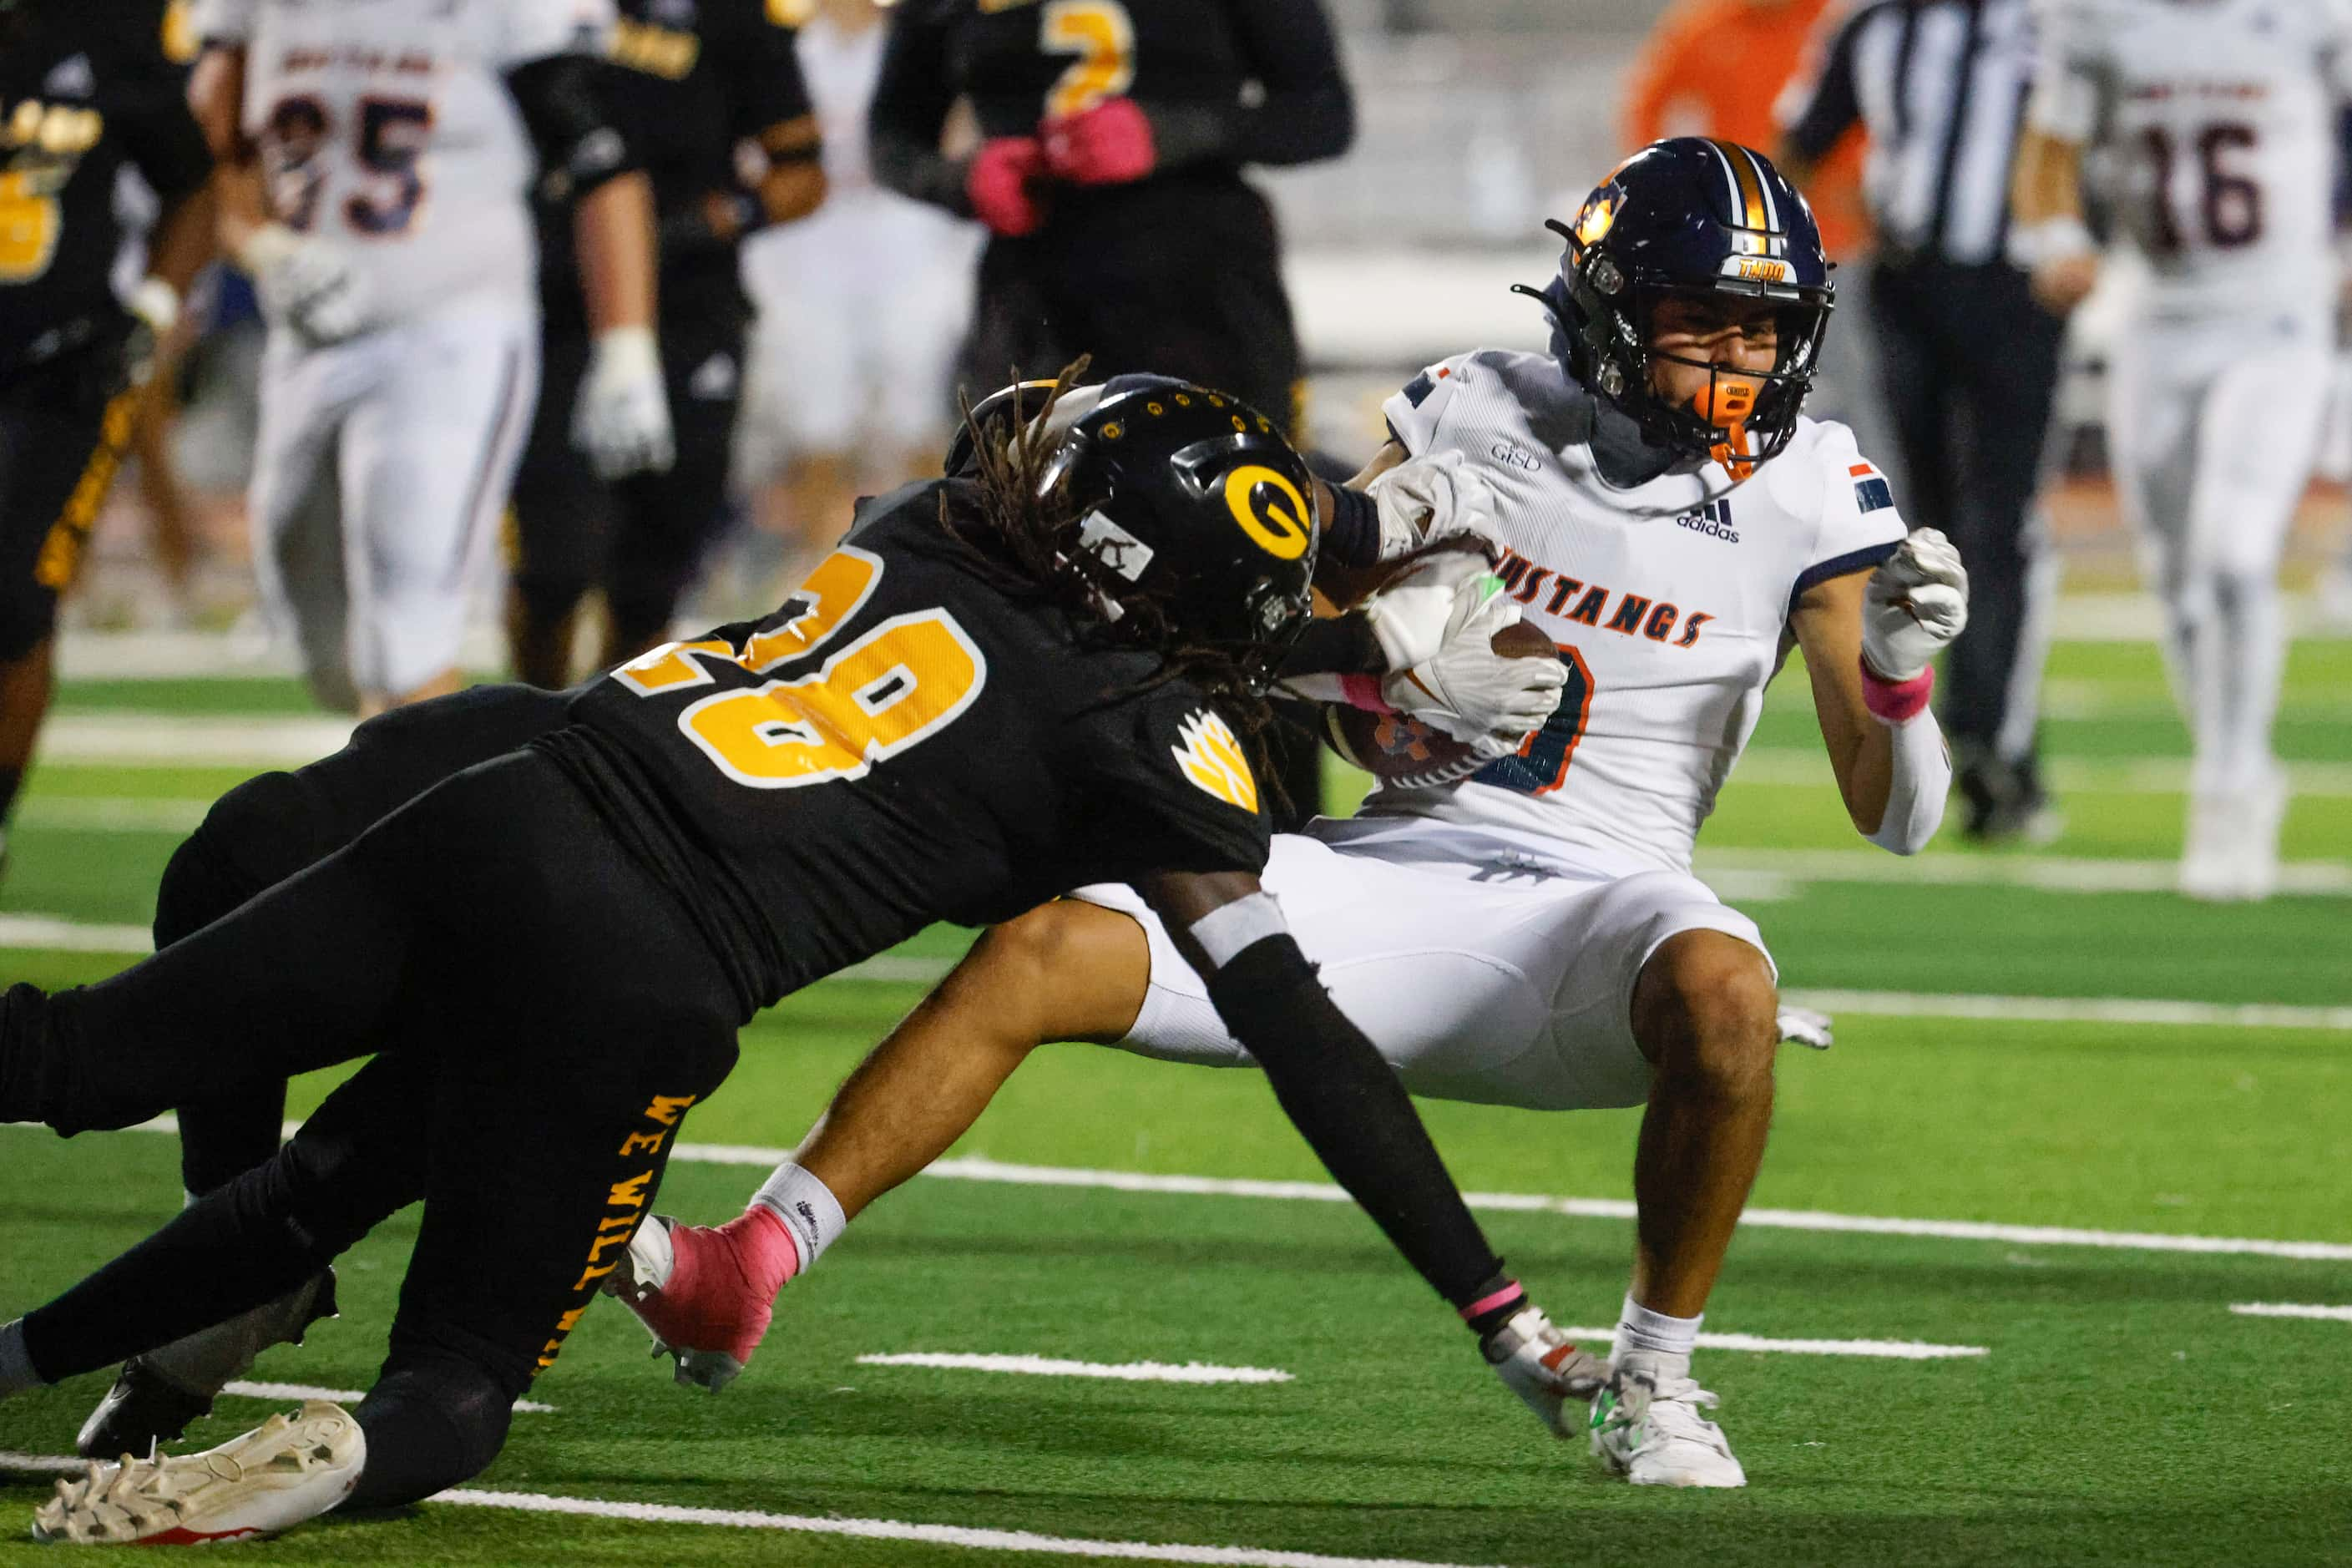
point(711, 1307)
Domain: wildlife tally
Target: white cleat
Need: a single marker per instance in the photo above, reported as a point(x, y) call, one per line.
point(2232, 850)
point(1651, 1432)
point(288, 1470)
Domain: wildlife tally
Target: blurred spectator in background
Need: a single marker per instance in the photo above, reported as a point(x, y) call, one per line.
point(689, 84)
point(860, 310)
point(83, 91)
point(1967, 357)
point(389, 239)
point(2219, 120)
point(1113, 137)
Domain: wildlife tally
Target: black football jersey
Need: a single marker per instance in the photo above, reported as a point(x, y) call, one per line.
point(86, 86)
point(915, 736)
point(687, 81)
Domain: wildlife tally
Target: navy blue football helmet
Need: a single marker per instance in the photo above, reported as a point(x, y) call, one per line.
point(1692, 215)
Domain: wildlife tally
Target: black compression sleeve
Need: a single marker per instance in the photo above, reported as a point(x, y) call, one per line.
point(561, 104)
point(1832, 103)
point(1353, 1112)
point(1336, 644)
point(1351, 534)
point(1306, 113)
point(911, 99)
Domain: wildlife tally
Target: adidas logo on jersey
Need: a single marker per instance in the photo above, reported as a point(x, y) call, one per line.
point(1713, 520)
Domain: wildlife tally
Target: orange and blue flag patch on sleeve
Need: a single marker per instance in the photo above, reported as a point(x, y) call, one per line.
point(1870, 491)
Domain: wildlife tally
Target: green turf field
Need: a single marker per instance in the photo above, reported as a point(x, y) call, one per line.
point(2118, 1411)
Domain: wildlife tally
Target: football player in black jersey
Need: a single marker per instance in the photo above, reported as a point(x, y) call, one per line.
point(85, 90)
point(1114, 133)
point(997, 687)
point(690, 81)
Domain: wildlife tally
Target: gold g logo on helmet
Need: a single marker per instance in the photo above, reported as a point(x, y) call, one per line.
point(1270, 510)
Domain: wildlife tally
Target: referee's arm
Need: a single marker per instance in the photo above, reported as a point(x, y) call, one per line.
point(1820, 103)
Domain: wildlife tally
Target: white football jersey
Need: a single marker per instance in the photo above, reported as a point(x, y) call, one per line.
point(2218, 117)
point(387, 127)
point(841, 69)
point(1667, 602)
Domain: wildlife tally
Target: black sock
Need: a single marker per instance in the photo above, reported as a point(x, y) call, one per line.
point(431, 1421)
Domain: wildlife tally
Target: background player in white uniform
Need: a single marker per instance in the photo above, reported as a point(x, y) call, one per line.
point(2220, 118)
point(1534, 937)
point(861, 308)
point(375, 158)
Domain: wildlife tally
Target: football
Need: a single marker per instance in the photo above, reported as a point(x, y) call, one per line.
point(1401, 752)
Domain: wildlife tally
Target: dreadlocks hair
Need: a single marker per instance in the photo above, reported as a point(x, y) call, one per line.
point(1035, 526)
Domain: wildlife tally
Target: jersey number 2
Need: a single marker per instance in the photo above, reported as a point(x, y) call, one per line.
point(902, 682)
point(1102, 35)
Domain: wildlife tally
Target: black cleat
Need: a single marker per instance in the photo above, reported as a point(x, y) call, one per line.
point(157, 1396)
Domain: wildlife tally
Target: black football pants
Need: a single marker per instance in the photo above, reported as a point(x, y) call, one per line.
point(1970, 363)
point(543, 1015)
point(276, 824)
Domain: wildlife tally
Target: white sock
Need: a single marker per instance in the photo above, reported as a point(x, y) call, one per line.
point(808, 1209)
point(16, 1374)
point(2253, 657)
point(1659, 1342)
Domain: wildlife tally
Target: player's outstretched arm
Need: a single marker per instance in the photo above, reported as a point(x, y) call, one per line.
point(1354, 1112)
point(1870, 640)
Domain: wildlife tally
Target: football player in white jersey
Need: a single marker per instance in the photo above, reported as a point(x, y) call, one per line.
point(1532, 937)
point(867, 298)
point(2220, 119)
point(375, 160)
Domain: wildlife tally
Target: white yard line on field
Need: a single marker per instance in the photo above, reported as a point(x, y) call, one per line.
point(1049, 1366)
point(55, 934)
point(1809, 767)
point(968, 1537)
point(2043, 873)
point(342, 1395)
point(926, 1534)
point(980, 1168)
point(1885, 1350)
point(144, 740)
point(2291, 1309)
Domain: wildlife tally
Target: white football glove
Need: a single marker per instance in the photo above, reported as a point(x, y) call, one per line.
point(1423, 499)
point(1804, 1026)
point(1916, 602)
point(1411, 616)
point(1546, 1370)
point(305, 283)
point(622, 419)
point(1470, 691)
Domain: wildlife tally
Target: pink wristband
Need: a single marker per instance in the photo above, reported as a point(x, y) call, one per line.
point(1897, 701)
point(1364, 691)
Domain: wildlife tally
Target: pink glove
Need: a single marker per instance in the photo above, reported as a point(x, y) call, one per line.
point(1110, 144)
point(998, 184)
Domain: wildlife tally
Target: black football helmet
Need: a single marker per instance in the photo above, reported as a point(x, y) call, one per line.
point(1184, 496)
point(1692, 215)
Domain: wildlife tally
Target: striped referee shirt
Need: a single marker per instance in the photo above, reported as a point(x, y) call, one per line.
point(1941, 86)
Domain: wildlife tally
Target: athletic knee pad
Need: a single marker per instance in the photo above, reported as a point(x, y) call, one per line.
point(432, 1420)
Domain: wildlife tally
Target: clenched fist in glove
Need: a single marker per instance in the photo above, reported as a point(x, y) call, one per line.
point(622, 419)
point(1915, 604)
point(1490, 701)
point(304, 283)
point(999, 184)
point(1432, 498)
point(1110, 144)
